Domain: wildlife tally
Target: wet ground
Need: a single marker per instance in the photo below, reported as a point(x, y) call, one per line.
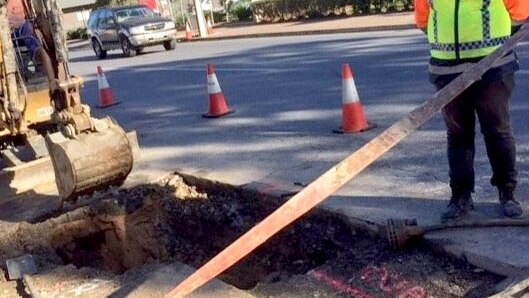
point(120, 234)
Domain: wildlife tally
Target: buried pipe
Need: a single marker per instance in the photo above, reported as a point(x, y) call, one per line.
point(56, 232)
point(53, 232)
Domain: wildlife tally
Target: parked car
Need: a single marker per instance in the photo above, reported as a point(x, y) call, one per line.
point(131, 28)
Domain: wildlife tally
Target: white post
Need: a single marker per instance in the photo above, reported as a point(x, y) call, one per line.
point(200, 19)
point(211, 13)
point(226, 10)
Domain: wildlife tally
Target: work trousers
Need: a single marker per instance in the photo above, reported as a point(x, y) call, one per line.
point(489, 99)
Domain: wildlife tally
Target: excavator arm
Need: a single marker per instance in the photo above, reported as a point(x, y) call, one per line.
point(8, 72)
point(87, 153)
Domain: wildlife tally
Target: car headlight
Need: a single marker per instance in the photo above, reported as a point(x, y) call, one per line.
point(169, 25)
point(137, 30)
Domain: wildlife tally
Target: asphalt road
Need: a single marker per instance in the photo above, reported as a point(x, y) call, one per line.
point(287, 93)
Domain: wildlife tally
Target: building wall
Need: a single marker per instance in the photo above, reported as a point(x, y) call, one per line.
point(15, 12)
point(75, 19)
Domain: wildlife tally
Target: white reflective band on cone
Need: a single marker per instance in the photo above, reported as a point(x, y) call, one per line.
point(102, 81)
point(349, 93)
point(213, 84)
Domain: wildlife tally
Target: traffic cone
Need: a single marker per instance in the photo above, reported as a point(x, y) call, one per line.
point(189, 33)
point(106, 96)
point(353, 118)
point(217, 103)
point(210, 27)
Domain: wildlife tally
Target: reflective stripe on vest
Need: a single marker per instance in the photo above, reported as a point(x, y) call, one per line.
point(434, 19)
point(459, 29)
point(473, 45)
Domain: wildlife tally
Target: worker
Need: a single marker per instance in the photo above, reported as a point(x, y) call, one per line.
point(27, 34)
point(461, 33)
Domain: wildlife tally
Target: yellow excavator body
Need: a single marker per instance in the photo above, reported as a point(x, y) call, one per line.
point(41, 110)
point(38, 109)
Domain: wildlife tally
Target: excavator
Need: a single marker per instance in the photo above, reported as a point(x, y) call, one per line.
point(42, 117)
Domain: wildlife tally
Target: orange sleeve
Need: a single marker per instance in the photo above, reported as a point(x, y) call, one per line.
point(422, 12)
point(518, 9)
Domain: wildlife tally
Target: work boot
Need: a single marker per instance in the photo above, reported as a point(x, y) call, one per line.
point(509, 206)
point(460, 204)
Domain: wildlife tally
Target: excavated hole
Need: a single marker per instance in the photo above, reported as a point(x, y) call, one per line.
point(191, 220)
point(174, 221)
point(85, 251)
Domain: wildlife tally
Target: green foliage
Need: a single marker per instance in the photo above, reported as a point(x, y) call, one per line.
point(112, 3)
point(79, 33)
point(241, 10)
point(284, 10)
point(219, 16)
point(180, 20)
point(179, 16)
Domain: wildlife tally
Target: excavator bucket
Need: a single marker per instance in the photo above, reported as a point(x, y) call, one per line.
point(91, 161)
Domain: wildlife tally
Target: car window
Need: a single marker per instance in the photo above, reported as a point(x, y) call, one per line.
point(101, 19)
point(92, 21)
point(132, 12)
point(105, 19)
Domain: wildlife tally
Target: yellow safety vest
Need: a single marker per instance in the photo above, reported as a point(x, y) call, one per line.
point(459, 29)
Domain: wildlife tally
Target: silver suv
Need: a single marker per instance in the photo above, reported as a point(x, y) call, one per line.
point(130, 28)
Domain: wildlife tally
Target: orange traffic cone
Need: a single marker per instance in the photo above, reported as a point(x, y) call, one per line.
point(189, 33)
point(353, 118)
point(106, 96)
point(217, 102)
point(210, 27)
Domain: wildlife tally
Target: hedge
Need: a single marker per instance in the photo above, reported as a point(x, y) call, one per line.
point(79, 33)
point(241, 10)
point(286, 10)
point(113, 3)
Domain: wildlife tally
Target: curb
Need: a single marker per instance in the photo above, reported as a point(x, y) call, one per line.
point(307, 32)
point(78, 46)
point(84, 45)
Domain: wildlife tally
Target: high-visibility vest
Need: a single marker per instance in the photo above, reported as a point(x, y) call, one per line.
point(459, 29)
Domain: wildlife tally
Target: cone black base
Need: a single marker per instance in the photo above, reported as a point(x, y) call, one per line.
point(112, 104)
point(341, 131)
point(208, 115)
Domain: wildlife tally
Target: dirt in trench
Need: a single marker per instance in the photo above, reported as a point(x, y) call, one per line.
point(191, 221)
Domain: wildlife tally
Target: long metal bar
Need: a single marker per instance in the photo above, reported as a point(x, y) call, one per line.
point(328, 183)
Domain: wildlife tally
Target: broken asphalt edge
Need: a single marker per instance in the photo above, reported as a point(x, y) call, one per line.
point(284, 191)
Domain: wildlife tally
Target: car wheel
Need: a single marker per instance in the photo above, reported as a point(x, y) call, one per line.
point(170, 44)
point(128, 49)
point(98, 49)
